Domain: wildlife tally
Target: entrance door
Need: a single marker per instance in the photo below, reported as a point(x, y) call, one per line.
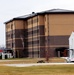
point(17, 54)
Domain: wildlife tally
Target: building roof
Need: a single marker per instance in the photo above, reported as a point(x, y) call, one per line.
point(52, 11)
point(57, 11)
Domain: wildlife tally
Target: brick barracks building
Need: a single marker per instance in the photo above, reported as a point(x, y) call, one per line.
point(37, 34)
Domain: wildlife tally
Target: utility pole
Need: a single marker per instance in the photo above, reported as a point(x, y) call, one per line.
point(47, 50)
point(47, 41)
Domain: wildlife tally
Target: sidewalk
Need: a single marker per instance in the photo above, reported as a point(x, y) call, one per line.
point(36, 64)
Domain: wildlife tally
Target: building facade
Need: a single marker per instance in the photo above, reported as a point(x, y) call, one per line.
point(40, 34)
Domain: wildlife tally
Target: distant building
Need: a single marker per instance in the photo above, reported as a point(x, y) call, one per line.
point(38, 34)
point(6, 53)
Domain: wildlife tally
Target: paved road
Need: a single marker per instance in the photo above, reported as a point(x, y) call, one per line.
point(9, 60)
point(36, 64)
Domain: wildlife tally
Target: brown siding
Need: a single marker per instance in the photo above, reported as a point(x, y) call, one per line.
point(61, 24)
point(19, 24)
point(40, 20)
point(58, 40)
point(19, 33)
point(18, 43)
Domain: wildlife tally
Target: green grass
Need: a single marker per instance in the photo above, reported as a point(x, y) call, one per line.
point(38, 70)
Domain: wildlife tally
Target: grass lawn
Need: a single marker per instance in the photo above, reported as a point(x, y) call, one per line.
point(38, 70)
point(31, 60)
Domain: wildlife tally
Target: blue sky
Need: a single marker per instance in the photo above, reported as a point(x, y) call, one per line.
point(14, 8)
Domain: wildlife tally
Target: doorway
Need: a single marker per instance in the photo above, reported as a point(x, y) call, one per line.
point(61, 52)
point(17, 53)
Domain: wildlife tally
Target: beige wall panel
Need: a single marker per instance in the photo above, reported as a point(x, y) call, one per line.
point(19, 24)
point(25, 23)
point(34, 24)
point(13, 25)
point(35, 21)
point(61, 30)
point(59, 45)
point(46, 24)
point(61, 24)
point(18, 48)
point(8, 27)
point(40, 20)
point(30, 26)
point(34, 18)
point(29, 21)
point(46, 30)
